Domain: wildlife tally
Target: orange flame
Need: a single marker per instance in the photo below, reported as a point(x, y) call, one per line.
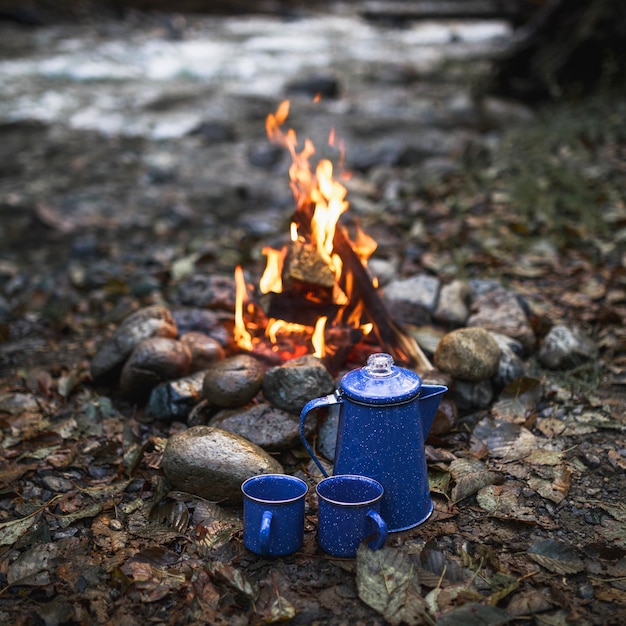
point(320, 201)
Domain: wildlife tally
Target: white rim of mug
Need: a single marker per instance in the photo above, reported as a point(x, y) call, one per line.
point(359, 478)
point(282, 476)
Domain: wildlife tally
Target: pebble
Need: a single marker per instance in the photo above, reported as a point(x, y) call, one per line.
point(452, 308)
point(266, 426)
point(57, 484)
point(469, 396)
point(174, 399)
point(233, 382)
point(204, 349)
point(565, 347)
point(202, 290)
point(208, 322)
point(154, 360)
point(510, 366)
point(152, 321)
point(412, 300)
point(501, 311)
point(469, 354)
point(212, 463)
point(291, 385)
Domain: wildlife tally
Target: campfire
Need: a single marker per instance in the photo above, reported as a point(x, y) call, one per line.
point(316, 295)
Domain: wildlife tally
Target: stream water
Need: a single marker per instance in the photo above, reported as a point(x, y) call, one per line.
point(160, 77)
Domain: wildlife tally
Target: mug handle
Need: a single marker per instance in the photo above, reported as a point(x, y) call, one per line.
point(265, 531)
point(381, 535)
point(328, 400)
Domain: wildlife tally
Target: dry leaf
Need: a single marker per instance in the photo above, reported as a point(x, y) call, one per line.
point(387, 581)
point(475, 615)
point(555, 487)
point(502, 501)
point(34, 566)
point(556, 556)
point(518, 400)
point(470, 476)
point(528, 603)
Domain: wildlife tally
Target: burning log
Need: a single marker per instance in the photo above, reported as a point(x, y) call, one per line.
point(307, 284)
point(400, 345)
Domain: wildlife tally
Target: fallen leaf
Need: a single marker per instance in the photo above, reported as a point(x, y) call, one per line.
point(518, 400)
point(556, 556)
point(234, 578)
point(387, 581)
point(555, 487)
point(470, 476)
point(475, 615)
point(33, 567)
point(528, 603)
point(272, 605)
point(614, 529)
point(502, 501)
point(504, 439)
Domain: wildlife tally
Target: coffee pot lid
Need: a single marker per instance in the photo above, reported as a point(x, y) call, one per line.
point(381, 382)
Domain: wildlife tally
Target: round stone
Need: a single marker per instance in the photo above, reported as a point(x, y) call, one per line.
point(565, 347)
point(151, 321)
point(469, 354)
point(212, 463)
point(204, 349)
point(154, 360)
point(291, 385)
point(233, 382)
point(268, 427)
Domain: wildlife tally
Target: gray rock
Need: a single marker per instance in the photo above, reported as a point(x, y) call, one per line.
point(412, 300)
point(511, 366)
point(480, 286)
point(152, 321)
point(565, 347)
point(266, 426)
point(469, 396)
point(420, 289)
point(452, 308)
point(233, 381)
point(210, 323)
point(291, 385)
point(153, 361)
point(203, 290)
point(469, 354)
point(502, 311)
point(174, 399)
point(212, 463)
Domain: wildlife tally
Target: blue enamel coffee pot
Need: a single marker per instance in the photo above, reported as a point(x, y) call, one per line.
point(384, 418)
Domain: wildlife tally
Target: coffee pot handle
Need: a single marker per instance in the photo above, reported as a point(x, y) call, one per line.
point(308, 407)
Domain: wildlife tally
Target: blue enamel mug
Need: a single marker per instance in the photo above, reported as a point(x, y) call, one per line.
point(273, 514)
point(384, 418)
point(348, 513)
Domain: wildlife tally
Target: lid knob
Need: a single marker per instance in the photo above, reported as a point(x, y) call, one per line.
point(379, 364)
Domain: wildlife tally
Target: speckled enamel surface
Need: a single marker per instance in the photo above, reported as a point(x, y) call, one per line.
point(281, 499)
point(348, 513)
point(383, 422)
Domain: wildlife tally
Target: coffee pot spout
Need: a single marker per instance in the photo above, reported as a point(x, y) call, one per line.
point(429, 401)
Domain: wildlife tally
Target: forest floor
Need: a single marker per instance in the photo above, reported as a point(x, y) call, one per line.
point(106, 207)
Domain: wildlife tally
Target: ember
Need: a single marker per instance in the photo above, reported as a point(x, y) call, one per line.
point(316, 295)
